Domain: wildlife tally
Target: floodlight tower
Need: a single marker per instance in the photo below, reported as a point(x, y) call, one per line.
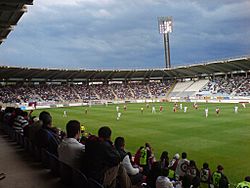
point(165, 25)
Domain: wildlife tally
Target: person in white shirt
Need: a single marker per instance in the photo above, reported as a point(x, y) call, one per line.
point(70, 151)
point(117, 108)
point(181, 166)
point(206, 112)
point(119, 115)
point(163, 181)
point(185, 109)
point(134, 173)
point(235, 109)
point(153, 110)
point(64, 113)
point(181, 106)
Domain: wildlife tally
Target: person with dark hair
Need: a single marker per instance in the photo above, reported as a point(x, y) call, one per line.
point(138, 156)
point(47, 137)
point(205, 174)
point(192, 170)
point(20, 122)
point(153, 174)
point(219, 180)
point(70, 151)
point(245, 183)
point(134, 173)
point(182, 166)
point(193, 174)
point(36, 126)
point(104, 133)
point(102, 161)
point(146, 158)
point(163, 181)
point(164, 160)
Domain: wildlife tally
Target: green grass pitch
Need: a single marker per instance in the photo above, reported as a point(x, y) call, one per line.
point(223, 139)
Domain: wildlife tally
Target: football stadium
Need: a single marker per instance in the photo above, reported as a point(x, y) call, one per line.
point(131, 127)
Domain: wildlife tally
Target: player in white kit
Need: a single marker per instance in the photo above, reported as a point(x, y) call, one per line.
point(64, 113)
point(153, 110)
point(206, 112)
point(185, 109)
point(119, 115)
point(235, 109)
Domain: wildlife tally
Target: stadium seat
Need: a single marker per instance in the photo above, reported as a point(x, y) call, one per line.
point(19, 138)
point(79, 180)
point(94, 184)
point(12, 134)
point(26, 143)
point(45, 158)
point(66, 173)
point(37, 153)
point(31, 148)
point(54, 164)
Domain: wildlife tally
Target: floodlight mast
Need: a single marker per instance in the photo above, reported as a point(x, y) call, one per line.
point(165, 25)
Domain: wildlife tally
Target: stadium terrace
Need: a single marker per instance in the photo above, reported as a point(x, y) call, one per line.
point(221, 81)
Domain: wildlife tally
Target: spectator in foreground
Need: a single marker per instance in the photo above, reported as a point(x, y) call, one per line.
point(164, 159)
point(134, 173)
point(36, 126)
point(245, 183)
point(205, 174)
point(47, 136)
point(173, 165)
point(20, 122)
point(154, 172)
point(163, 181)
point(182, 166)
point(219, 179)
point(102, 161)
point(192, 170)
point(70, 151)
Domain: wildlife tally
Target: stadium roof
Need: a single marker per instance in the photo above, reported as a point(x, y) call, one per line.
point(10, 13)
point(197, 70)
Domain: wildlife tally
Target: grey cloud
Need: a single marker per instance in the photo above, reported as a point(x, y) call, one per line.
point(124, 34)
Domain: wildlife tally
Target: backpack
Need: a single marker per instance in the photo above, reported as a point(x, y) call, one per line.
point(205, 175)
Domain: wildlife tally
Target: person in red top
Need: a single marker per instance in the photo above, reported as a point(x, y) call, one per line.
point(161, 108)
point(217, 111)
point(138, 156)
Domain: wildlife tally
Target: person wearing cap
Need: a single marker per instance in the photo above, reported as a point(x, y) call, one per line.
point(219, 180)
point(245, 183)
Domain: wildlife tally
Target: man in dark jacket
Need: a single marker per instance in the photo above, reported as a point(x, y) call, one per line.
point(47, 136)
point(102, 161)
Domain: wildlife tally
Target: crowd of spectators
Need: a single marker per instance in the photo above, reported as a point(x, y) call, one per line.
point(110, 164)
point(76, 93)
point(244, 89)
point(238, 85)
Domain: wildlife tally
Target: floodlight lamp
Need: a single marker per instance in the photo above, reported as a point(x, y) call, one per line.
point(165, 25)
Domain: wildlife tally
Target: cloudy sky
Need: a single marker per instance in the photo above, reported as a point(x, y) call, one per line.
point(123, 34)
